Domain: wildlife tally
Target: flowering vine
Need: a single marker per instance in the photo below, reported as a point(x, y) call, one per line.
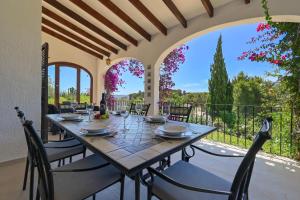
point(169, 66)
point(112, 78)
point(279, 44)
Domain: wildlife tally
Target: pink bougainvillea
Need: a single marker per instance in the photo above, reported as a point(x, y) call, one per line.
point(112, 78)
point(268, 49)
point(262, 27)
point(169, 66)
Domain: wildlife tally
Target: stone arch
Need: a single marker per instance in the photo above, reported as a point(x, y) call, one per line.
point(116, 61)
point(181, 41)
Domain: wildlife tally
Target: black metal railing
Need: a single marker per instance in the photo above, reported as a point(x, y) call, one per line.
point(238, 124)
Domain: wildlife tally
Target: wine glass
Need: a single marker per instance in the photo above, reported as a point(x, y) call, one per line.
point(74, 105)
point(90, 109)
point(138, 110)
point(165, 111)
point(124, 114)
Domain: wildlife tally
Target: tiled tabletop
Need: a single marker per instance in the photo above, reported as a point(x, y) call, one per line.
point(136, 148)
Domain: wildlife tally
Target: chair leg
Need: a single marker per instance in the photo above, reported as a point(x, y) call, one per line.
point(149, 193)
point(182, 155)
point(84, 153)
point(31, 182)
point(70, 159)
point(37, 197)
point(122, 187)
point(26, 174)
point(94, 196)
point(169, 161)
point(63, 162)
point(59, 163)
point(137, 187)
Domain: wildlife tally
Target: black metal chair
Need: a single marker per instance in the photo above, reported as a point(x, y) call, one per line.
point(77, 180)
point(180, 113)
point(54, 129)
point(55, 150)
point(81, 106)
point(184, 180)
point(66, 107)
point(144, 112)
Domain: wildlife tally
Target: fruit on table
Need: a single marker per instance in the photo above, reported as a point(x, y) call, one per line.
point(99, 116)
point(105, 116)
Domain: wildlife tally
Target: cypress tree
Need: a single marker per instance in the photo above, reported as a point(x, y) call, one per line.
point(220, 87)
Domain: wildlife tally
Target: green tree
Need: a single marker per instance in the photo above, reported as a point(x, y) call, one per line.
point(220, 88)
point(51, 91)
point(139, 96)
point(247, 90)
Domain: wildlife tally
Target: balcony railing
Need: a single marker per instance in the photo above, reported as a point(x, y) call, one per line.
point(237, 125)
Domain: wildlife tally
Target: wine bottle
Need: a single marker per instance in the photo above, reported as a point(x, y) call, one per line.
point(103, 105)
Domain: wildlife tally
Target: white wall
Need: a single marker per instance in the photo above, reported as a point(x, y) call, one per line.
point(60, 51)
point(20, 63)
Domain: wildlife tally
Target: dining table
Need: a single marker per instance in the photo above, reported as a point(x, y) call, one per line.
point(131, 151)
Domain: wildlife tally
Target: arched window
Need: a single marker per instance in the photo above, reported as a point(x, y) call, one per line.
point(69, 82)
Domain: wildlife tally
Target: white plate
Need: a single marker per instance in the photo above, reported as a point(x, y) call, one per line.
point(107, 132)
point(181, 136)
point(116, 112)
point(69, 116)
point(155, 119)
point(95, 129)
point(81, 112)
point(172, 129)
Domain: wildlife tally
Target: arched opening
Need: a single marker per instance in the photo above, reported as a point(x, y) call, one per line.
point(237, 122)
point(120, 72)
point(197, 34)
point(69, 82)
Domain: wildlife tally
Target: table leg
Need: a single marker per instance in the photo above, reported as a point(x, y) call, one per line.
point(137, 187)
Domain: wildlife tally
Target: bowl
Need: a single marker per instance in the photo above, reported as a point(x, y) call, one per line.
point(173, 129)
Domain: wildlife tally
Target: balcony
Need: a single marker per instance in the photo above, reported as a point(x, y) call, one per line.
point(86, 38)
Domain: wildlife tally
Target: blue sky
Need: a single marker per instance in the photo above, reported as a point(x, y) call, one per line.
point(68, 78)
point(193, 75)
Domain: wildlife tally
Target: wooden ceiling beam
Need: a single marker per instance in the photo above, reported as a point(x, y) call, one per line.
point(104, 21)
point(85, 22)
point(71, 42)
point(73, 36)
point(208, 7)
point(172, 7)
point(78, 30)
point(148, 14)
point(123, 16)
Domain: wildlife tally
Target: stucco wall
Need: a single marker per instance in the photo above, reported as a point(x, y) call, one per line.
point(20, 63)
point(60, 51)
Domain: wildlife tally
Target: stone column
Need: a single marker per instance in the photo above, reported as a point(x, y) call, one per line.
point(151, 83)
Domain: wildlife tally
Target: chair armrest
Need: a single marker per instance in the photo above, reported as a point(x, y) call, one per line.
point(216, 154)
point(184, 186)
point(80, 170)
point(64, 140)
